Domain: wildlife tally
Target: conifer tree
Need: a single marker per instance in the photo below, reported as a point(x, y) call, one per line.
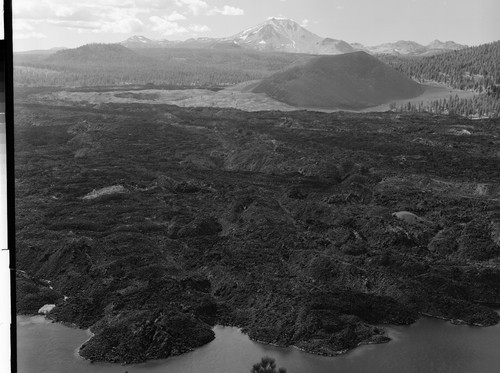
point(267, 365)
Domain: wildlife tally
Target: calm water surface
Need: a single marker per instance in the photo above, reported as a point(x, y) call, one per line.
point(428, 346)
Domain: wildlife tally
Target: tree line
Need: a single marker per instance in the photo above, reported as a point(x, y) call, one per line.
point(108, 64)
point(479, 106)
point(474, 68)
point(42, 75)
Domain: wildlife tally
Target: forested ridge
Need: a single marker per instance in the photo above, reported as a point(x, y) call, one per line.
point(475, 68)
point(480, 106)
point(113, 64)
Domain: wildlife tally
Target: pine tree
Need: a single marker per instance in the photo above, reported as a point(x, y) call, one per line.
point(266, 365)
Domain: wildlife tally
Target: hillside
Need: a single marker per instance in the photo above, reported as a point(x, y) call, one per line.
point(475, 68)
point(349, 81)
point(470, 68)
point(96, 55)
point(111, 64)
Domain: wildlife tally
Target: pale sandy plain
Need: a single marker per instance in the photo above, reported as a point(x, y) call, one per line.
point(237, 97)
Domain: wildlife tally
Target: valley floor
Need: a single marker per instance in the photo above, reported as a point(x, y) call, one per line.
point(238, 97)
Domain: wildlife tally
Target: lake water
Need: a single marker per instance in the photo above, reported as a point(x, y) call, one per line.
point(428, 346)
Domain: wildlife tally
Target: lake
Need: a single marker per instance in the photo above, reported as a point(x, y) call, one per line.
point(427, 346)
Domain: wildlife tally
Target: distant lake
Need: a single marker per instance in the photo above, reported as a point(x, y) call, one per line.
point(428, 346)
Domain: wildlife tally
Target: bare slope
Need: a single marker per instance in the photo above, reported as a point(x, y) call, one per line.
point(349, 81)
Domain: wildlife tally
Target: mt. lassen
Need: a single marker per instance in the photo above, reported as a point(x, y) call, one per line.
point(275, 34)
point(285, 35)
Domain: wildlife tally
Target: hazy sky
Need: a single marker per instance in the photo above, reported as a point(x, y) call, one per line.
point(43, 24)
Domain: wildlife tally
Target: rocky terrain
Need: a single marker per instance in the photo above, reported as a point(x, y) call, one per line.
point(149, 224)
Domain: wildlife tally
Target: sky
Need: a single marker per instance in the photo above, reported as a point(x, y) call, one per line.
point(45, 24)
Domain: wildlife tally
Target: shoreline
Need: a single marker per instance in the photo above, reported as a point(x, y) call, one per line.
point(387, 339)
point(455, 321)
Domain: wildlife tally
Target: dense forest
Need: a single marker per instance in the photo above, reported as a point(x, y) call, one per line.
point(475, 68)
point(479, 106)
point(112, 64)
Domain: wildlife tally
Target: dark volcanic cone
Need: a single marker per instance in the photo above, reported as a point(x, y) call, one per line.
point(348, 81)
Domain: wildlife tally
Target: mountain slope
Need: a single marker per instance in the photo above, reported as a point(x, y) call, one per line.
point(410, 48)
point(404, 47)
point(447, 45)
point(329, 45)
point(96, 54)
point(349, 81)
point(475, 68)
point(139, 41)
point(285, 35)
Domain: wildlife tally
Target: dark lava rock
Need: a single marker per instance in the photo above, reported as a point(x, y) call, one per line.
point(312, 259)
point(138, 336)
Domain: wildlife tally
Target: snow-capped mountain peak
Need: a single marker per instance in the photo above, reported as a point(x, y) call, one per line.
point(286, 35)
point(277, 26)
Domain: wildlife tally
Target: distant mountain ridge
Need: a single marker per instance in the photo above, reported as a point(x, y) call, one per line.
point(96, 54)
point(43, 51)
point(273, 35)
point(285, 35)
point(139, 41)
point(449, 45)
point(411, 48)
